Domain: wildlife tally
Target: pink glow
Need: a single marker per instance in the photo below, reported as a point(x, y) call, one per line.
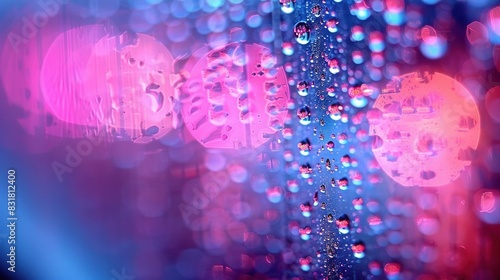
point(235, 96)
point(128, 87)
point(62, 75)
point(428, 125)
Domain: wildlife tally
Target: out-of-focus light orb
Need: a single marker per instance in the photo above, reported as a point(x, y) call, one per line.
point(487, 206)
point(477, 34)
point(494, 21)
point(492, 102)
point(431, 2)
point(357, 57)
point(237, 172)
point(274, 194)
point(357, 33)
point(254, 20)
point(360, 10)
point(215, 3)
point(392, 270)
point(178, 30)
point(394, 18)
point(480, 3)
point(235, 96)
point(376, 42)
point(287, 48)
point(427, 125)
point(375, 268)
point(127, 88)
point(428, 225)
point(214, 161)
point(432, 45)
point(25, 85)
point(236, 13)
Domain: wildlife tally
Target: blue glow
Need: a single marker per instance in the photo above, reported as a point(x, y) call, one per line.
point(344, 230)
point(139, 4)
point(480, 3)
point(191, 5)
point(202, 26)
point(357, 36)
point(394, 18)
point(363, 14)
point(357, 59)
point(217, 23)
point(359, 255)
point(431, 2)
point(494, 37)
point(177, 10)
point(359, 102)
point(260, 186)
point(288, 51)
point(395, 237)
point(215, 3)
point(434, 51)
point(377, 46)
point(237, 13)
point(293, 188)
point(254, 21)
point(267, 35)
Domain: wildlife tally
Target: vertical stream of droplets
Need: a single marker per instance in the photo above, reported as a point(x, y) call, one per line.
point(324, 64)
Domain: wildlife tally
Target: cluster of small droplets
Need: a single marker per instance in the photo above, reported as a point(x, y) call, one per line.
point(332, 84)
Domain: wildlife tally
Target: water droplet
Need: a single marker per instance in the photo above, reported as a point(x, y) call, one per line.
point(305, 233)
point(343, 223)
point(303, 88)
point(287, 6)
point(329, 218)
point(331, 24)
point(335, 110)
point(316, 10)
point(346, 161)
point(331, 253)
point(343, 138)
point(343, 184)
point(315, 199)
point(302, 32)
point(305, 147)
point(304, 115)
point(305, 170)
point(306, 209)
point(334, 66)
point(305, 263)
point(330, 145)
point(358, 248)
point(358, 203)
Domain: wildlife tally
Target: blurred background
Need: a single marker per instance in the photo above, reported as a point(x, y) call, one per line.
point(231, 139)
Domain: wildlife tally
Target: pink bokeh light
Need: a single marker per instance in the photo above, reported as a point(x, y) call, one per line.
point(235, 97)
